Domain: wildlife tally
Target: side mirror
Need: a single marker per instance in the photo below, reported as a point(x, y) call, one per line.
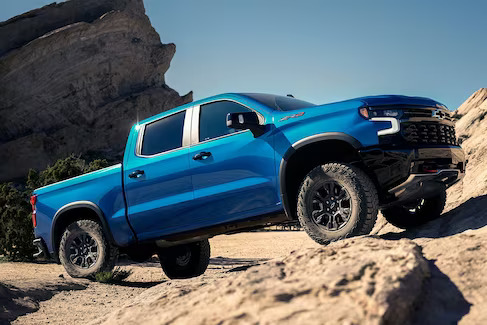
point(246, 121)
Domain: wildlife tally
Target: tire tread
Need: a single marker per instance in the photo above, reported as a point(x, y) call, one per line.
point(367, 190)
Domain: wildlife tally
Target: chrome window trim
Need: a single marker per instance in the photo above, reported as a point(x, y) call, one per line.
point(140, 138)
point(187, 127)
point(138, 145)
point(195, 125)
point(195, 136)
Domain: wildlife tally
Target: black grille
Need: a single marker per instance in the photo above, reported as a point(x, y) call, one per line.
point(425, 112)
point(428, 133)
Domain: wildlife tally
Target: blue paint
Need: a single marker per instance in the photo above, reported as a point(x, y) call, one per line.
point(177, 194)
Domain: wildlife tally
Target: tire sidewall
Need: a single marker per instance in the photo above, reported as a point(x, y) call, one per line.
point(317, 178)
point(400, 216)
point(74, 230)
point(199, 260)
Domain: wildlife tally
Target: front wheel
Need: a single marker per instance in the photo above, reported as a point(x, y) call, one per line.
point(337, 201)
point(416, 213)
point(85, 251)
point(186, 260)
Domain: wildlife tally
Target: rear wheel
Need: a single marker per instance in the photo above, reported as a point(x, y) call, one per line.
point(336, 201)
point(84, 250)
point(416, 213)
point(186, 260)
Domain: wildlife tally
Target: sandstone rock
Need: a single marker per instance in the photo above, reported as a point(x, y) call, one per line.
point(471, 129)
point(77, 80)
point(355, 281)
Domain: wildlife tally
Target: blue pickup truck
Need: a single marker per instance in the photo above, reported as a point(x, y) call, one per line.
point(235, 162)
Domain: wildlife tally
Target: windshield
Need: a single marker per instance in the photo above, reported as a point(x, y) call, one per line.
point(280, 103)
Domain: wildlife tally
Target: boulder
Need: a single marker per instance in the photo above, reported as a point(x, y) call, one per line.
point(354, 281)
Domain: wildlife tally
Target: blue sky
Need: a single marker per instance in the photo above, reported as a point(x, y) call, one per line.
point(320, 51)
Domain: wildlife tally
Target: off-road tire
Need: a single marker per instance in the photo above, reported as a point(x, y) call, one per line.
point(107, 253)
point(401, 216)
point(364, 201)
point(198, 260)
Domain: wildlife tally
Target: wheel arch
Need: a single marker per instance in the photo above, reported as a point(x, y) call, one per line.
point(72, 212)
point(347, 146)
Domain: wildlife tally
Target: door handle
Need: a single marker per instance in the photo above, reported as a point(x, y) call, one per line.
point(202, 155)
point(136, 174)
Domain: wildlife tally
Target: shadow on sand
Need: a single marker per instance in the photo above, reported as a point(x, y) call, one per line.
point(136, 284)
point(235, 264)
point(15, 302)
point(471, 214)
point(443, 302)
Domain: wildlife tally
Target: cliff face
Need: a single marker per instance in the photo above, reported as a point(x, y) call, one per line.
point(74, 77)
point(471, 129)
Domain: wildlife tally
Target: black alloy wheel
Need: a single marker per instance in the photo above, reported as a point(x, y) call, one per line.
point(83, 251)
point(332, 206)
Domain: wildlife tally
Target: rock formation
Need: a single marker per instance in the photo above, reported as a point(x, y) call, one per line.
point(74, 77)
point(471, 129)
point(364, 281)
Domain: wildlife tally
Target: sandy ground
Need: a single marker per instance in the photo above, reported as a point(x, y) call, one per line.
point(47, 295)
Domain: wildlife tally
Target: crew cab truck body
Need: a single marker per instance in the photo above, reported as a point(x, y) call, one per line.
point(238, 161)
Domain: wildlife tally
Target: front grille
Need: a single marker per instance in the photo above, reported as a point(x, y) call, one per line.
point(426, 112)
point(428, 133)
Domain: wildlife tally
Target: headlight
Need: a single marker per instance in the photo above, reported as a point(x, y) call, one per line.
point(371, 113)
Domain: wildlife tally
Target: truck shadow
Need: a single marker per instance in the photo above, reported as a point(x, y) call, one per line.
point(139, 284)
point(235, 264)
point(17, 302)
point(227, 261)
point(471, 214)
point(441, 302)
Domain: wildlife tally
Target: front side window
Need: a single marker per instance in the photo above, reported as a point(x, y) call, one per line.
point(213, 119)
point(163, 135)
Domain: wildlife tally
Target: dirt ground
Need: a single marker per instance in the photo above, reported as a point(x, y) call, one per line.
point(452, 245)
point(45, 294)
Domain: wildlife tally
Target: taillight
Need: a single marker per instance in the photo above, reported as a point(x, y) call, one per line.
point(33, 201)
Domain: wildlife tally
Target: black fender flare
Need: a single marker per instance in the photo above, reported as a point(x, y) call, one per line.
point(76, 205)
point(301, 143)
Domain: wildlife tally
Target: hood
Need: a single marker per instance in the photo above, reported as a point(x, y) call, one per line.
point(386, 100)
point(285, 117)
point(115, 169)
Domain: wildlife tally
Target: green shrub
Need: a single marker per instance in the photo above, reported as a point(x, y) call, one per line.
point(96, 164)
point(16, 233)
point(62, 169)
point(115, 276)
point(16, 224)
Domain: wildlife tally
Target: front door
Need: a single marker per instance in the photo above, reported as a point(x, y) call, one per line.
point(233, 173)
point(157, 179)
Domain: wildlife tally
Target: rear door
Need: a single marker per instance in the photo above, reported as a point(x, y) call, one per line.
point(157, 180)
point(233, 173)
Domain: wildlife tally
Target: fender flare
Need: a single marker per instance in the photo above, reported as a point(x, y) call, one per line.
point(76, 205)
point(299, 144)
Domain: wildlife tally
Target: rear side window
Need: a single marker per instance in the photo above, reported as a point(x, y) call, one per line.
point(163, 135)
point(213, 119)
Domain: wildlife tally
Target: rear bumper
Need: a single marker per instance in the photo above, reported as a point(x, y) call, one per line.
point(41, 248)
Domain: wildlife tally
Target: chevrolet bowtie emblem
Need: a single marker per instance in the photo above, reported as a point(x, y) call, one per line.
point(439, 114)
